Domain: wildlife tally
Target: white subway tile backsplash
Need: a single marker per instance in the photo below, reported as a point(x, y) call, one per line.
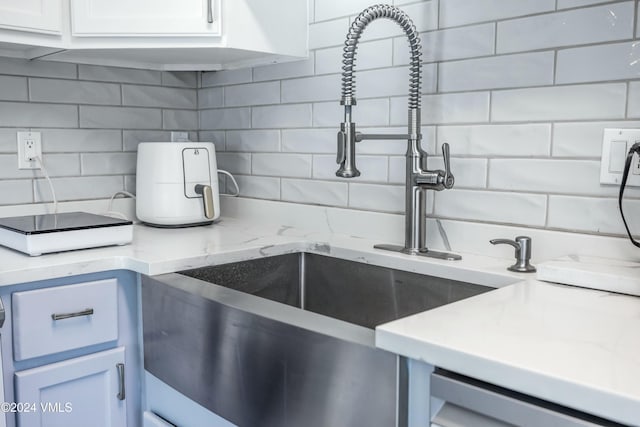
point(13, 88)
point(56, 164)
point(225, 118)
point(497, 140)
point(258, 187)
point(8, 139)
point(108, 164)
point(253, 140)
point(80, 140)
point(281, 164)
point(155, 96)
point(492, 206)
point(386, 198)
point(548, 176)
point(330, 9)
point(580, 26)
point(463, 12)
point(309, 140)
point(46, 115)
point(74, 92)
point(281, 116)
point(120, 75)
point(188, 79)
point(634, 100)
point(468, 173)
point(216, 136)
point(598, 215)
point(448, 108)
point(521, 70)
point(221, 78)
point(583, 140)
point(565, 4)
point(601, 101)
point(119, 117)
point(179, 119)
point(24, 67)
point(284, 70)
point(375, 54)
point(328, 33)
point(314, 192)
point(601, 62)
point(16, 192)
point(78, 188)
point(368, 82)
point(320, 88)
point(211, 97)
point(372, 168)
point(133, 137)
point(252, 94)
point(130, 184)
point(368, 112)
point(235, 162)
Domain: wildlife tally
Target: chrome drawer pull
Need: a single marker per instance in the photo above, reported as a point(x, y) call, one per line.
point(120, 367)
point(85, 312)
point(209, 12)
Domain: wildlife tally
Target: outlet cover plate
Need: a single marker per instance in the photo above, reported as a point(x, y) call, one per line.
point(29, 145)
point(615, 145)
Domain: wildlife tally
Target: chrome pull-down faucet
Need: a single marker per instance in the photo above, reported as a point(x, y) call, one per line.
point(419, 178)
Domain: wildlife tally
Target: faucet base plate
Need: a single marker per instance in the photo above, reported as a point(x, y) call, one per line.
point(420, 252)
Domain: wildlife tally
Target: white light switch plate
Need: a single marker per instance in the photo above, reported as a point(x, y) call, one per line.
point(615, 145)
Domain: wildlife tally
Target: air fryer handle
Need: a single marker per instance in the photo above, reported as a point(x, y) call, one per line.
point(207, 196)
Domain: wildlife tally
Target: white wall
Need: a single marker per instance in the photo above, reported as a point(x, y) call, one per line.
point(521, 90)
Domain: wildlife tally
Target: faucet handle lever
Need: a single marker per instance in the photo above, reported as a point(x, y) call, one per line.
point(448, 176)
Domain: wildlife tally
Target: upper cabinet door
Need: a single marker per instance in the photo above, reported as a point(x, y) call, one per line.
point(40, 16)
point(143, 18)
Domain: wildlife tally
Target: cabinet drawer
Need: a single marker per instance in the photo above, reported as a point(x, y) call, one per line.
point(52, 320)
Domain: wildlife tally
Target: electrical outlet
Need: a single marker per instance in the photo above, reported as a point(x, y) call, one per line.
point(29, 147)
point(179, 136)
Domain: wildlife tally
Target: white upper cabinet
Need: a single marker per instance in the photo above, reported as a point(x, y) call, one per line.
point(140, 18)
point(40, 16)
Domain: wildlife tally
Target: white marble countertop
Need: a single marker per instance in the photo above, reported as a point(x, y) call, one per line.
point(577, 347)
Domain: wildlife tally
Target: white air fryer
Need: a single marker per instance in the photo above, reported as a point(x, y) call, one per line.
point(177, 184)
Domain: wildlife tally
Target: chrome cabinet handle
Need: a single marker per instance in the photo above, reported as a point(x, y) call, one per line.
point(85, 312)
point(121, 391)
point(207, 199)
point(209, 12)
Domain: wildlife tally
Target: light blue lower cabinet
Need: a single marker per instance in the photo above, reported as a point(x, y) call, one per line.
point(80, 392)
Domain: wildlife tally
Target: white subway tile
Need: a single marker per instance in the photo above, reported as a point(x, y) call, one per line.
point(216, 136)
point(281, 164)
point(56, 164)
point(314, 192)
point(583, 139)
point(453, 43)
point(252, 94)
point(309, 140)
point(16, 192)
point(281, 116)
point(74, 92)
point(235, 162)
point(368, 112)
point(188, 79)
point(371, 197)
point(548, 176)
point(565, 4)
point(253, 140)
point(13, 88)
point(119, 117)
point(320, 88)
point(78, 188)
point(599, 101)
point(133, 137)
point(491, 206)
point(180, 119)
point(258, 187)
point(394, 146)
point(392, 81)
point(228, 77)
point(330, 9)
point(155, 96)
point(468, 173)
point(580, 26)
point(329, 33)
point(397, 169)
point(285, 70)
point(80, 140)
point(634, 99)
point(225, 118)
point(597, 215)
point(130, 184)
point(448, 108)
point(375, 54)
point(211, 97)
point(108, 163)
point(530, 69)
point(32, 114)
point(24, 67)
point(596, 63)
point(497, 140)
point(462, 12)
point(423, 14)
point(372, 168)
point(120, 75)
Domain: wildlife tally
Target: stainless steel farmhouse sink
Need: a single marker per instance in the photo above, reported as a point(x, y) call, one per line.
point(287, 340)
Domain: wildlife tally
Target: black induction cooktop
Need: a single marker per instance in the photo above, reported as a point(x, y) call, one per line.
point(52, 223)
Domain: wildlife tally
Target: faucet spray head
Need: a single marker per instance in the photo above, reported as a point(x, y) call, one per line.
point(346, 156)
